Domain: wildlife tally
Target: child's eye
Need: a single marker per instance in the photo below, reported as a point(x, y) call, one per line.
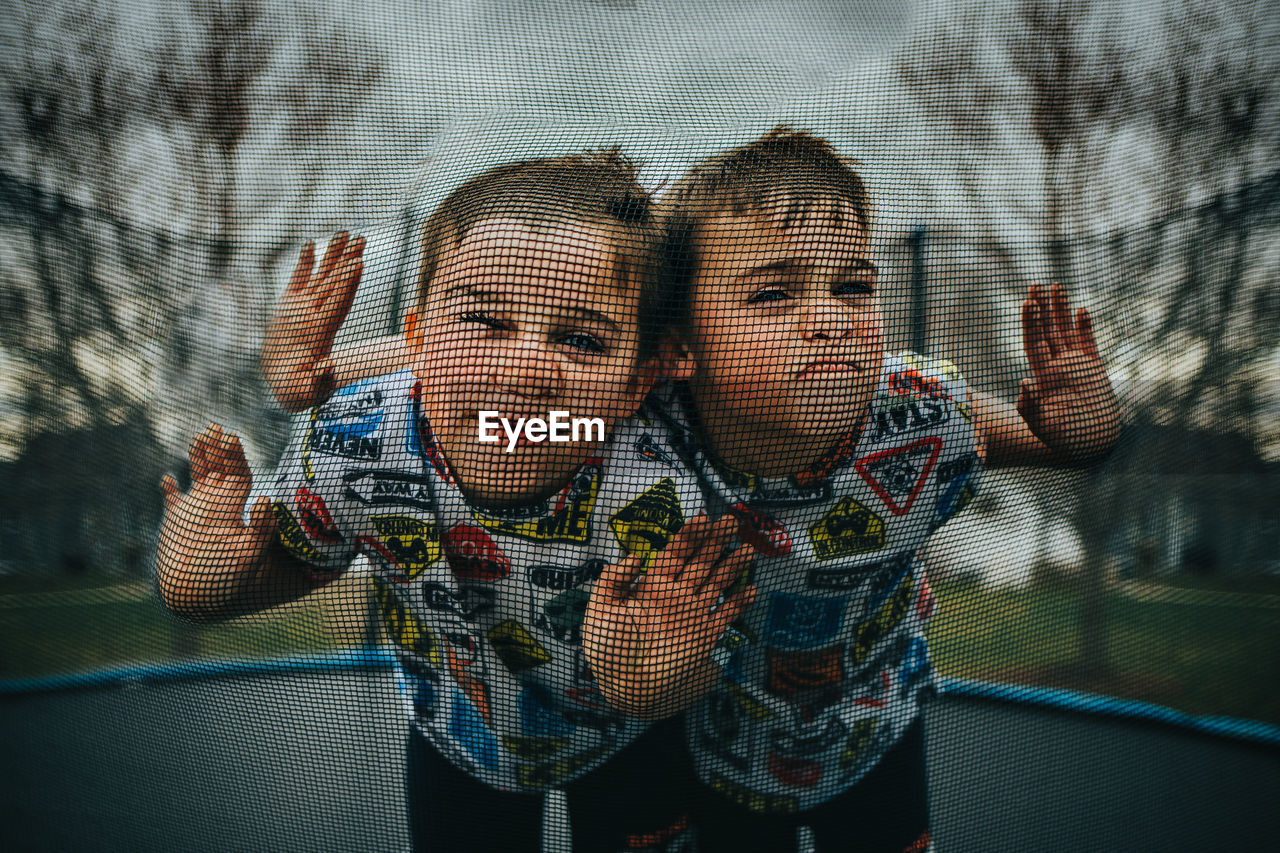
point(583, 341)
point(482, 318)
point(853, 288)
point(769, 294)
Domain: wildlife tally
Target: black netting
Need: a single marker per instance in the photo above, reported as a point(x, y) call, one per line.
point(811, 268)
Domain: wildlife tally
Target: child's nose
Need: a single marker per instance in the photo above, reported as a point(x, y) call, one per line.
point(527, 371)
point(826, 319)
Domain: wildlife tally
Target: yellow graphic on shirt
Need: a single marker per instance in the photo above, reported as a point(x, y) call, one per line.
point(534, 748)
point(567, 520)
point(848, 528)
point(647, 524)
point(860, 732)
point(542, 775)
point(412, 542)
point(747, 706)
point(406, 631)
point(867, 634)
point(293, 537)
point(308, 470)
point(932, 366)
point(516, 647)
point(753, 800)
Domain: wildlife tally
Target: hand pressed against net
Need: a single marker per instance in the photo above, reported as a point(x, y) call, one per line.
point(649, 633)
point(210, 561)
point(295, 351)
point(1068, 403)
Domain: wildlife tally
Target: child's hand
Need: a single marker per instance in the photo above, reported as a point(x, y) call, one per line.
point(1068, 403)
point(295, 353)
point(207, 555)
point(648, 637)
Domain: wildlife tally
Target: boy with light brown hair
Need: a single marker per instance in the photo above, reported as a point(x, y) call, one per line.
point(536, 294)
point(839, 461)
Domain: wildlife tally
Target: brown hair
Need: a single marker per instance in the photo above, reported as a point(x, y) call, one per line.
point(787, 174)
point(791, 167)
point(597, 188)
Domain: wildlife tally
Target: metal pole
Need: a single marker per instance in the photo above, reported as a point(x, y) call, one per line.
point(919, 298)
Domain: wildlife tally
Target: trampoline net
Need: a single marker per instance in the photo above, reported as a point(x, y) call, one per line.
point(844, 245)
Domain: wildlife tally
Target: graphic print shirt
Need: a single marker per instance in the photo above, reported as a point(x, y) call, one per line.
point(834, 664)
point(485, 608)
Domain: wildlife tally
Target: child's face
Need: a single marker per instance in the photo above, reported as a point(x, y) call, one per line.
point(786, 326)
point(524, 322)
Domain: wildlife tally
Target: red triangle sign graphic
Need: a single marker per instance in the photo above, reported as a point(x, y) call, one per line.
point(898, 474)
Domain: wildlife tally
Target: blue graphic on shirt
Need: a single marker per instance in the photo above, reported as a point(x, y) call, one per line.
point(803, 621)
point(537, 716)
point(468, 728)
point(347, 423)
point(915, 663)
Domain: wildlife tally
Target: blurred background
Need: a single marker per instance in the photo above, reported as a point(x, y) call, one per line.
point(161, 164)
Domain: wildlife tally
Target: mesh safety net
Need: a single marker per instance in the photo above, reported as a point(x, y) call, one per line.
point(619, 425)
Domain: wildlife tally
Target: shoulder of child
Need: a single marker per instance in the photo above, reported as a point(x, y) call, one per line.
point(338, 450)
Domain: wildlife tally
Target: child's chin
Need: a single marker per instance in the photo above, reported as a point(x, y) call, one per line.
point(514, 478)
point(500, 491)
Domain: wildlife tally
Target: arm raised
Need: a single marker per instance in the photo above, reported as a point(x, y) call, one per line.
point(1067, 412)
point(210, 564)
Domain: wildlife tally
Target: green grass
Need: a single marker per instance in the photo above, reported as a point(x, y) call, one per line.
point(1198, 658)
point(54, 636)
point(1215, 659)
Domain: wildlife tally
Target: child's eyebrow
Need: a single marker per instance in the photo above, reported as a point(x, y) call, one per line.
point(497, 297)
point(764, 269)
point(857, 265)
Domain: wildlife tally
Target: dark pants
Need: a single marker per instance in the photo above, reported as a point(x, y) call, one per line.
point(888, 810)
point(636, 801)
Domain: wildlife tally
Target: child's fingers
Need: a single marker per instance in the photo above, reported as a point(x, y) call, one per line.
point(1026, 404)
point(1061, 313)
point(732, 608)
point(1084, 334)
point(262, 522)
point(302, 272)
point(231, 457)
point(1034, 343)
point(338, 297)
point(699, 565)
point(731, 569)
point(325, 382)
point(221, 452)
point(687, 541)
point(331, 255)
point(355, 250)
point(614, 583)
point(198, 452)
point(171, 493)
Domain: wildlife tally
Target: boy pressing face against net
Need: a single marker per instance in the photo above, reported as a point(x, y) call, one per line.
point(838, 461)
point(533, 294)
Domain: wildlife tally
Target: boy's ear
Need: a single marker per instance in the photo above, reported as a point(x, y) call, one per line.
point(413, 331)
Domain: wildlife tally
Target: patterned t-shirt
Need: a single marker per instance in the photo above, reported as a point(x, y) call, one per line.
point(834, 662)
point(485, 608)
